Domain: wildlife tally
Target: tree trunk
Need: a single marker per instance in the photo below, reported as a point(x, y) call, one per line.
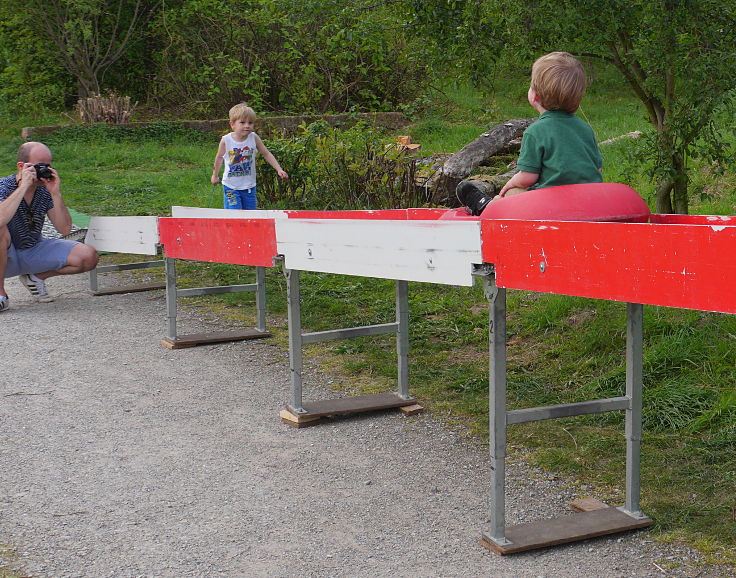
point(680, 186)
point(474, 154)
point(680, 196)
point(663, 199)
point(671, 192)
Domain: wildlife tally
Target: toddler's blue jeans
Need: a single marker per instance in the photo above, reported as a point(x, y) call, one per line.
point(245, 199)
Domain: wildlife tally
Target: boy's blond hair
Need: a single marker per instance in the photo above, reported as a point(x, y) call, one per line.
point(242, 111)
point(558, 78)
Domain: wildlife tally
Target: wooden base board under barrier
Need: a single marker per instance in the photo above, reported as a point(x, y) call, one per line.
point(184, 341)
point(317, 411)
point(129, 289)
point(592, 519)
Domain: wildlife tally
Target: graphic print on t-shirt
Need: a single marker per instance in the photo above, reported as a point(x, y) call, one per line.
point(241, 162)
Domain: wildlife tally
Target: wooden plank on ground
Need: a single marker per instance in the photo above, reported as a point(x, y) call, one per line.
point(355, 404)
point(299, 421)
point(411, 409)
point(184, 341)
point(129, 289)
point(579, 526)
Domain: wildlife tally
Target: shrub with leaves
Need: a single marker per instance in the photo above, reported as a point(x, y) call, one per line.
point(330, 168)
point(300, 56)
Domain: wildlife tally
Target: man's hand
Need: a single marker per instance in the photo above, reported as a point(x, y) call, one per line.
point(28, 179)
point(53, 185)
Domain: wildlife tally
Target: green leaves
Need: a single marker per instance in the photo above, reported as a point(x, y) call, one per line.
point(340, 168)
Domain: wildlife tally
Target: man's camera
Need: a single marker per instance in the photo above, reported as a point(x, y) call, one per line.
point(43, 171)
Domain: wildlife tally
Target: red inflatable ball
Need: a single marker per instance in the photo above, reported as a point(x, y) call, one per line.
point(585, 202)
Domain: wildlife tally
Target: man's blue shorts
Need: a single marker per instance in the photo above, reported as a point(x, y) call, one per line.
point(245, 199)
point(46, 255)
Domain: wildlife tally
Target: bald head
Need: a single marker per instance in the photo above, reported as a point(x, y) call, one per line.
point(34, 152)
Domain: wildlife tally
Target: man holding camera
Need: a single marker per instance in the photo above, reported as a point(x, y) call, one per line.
point(26, 198)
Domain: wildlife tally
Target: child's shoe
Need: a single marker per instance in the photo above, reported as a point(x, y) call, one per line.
point(37, 287)
point(4, 302)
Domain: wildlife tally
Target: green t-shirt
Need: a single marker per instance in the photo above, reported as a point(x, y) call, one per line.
point(561, 149)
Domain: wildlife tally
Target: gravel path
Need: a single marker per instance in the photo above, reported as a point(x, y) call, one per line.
point(123, 458)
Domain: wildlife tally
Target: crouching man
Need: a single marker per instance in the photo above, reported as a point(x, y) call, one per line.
point(25, 199)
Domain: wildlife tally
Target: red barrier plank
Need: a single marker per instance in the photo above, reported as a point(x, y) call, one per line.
point(687, 266)
point(236, 241)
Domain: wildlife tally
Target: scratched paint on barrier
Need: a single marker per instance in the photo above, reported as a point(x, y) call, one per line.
point(674, 265)
point(235, 241)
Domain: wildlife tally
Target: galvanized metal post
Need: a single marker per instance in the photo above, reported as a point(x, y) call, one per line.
point(402, 337)
point(293, 297)
point(170, 269)
point(93, 283)
point(497, 407)
point(261, 299)
point(634, 384)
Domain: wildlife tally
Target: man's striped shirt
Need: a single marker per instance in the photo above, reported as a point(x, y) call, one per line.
point(27, 224)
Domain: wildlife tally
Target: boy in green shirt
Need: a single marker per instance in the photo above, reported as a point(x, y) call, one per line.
point(559, 148)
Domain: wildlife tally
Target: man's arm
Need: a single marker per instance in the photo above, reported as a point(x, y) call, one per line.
point(9, 205)
point(59, 215)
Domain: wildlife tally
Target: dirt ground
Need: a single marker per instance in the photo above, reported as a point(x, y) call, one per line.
point(123, 458)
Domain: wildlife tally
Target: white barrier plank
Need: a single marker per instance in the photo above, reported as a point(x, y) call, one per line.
point(136, 235)
point(428, 251)
point(204, 213)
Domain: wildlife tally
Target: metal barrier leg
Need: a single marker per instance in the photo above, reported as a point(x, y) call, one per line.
point(93, 281)
point(170, 267)
point(402, 337)
point(634, 371)
point(261, 298)
point(300, 414)
point(293, 295)
point(497, 408)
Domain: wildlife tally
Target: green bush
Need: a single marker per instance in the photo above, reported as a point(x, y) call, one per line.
point(330, 168)
point(31, 80)
point(300, 56)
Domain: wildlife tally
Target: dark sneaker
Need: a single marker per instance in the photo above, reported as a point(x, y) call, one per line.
point(37, 287)
point(4, 302)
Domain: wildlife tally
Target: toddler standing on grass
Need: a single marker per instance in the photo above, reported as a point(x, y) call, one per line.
point(559, 148)
point(238, 151)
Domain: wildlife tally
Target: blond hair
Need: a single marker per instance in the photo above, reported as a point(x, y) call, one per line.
point(558, 78)
point(242, 111)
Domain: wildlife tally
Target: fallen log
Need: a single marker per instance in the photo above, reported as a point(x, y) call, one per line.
point(499, 140)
